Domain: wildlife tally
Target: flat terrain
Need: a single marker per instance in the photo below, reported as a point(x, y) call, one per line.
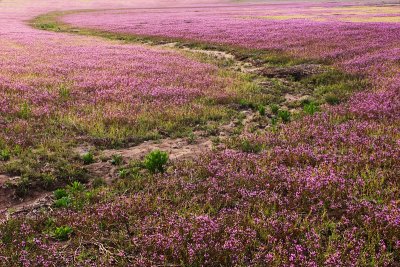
point(199, 133)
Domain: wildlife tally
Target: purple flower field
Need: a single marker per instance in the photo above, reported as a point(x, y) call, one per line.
point(303, 29)
point(318, 188)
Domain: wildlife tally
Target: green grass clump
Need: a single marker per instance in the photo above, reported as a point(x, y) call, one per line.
point(274, 108)
point(311, 108)
point(123, 173)
point(334, 86)
point(191, 138)
point(155, 161)
point(76, 186)
point(88, 158)
point(5, 155)
point(261, 110)
point(116, 159)
point(63, 202)
point(284, 115)
point(98, 182)
point(62, 233)
point(60, 193)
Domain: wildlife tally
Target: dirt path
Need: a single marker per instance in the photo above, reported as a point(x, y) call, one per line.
point(10, 204)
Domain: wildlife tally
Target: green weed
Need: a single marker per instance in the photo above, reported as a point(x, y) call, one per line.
point(155, 161)
point(62, 233)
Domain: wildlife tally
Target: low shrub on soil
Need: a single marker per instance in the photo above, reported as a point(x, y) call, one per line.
point(155, 161)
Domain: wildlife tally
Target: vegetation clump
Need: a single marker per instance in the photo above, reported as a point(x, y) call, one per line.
point(5, 155)
point(62, 233)
point(116, 159)
point(310, 108)
point(155, 161)
point(88, 158)
point(284, 115)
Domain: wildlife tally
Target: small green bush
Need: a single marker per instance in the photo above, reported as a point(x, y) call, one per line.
point(310, 108)
point(76, 187)
point(191, 138)
point(5, 155)
point(284, 115)
point(22, 186)
point(63, 202)
point(155, 161)
point(246, 104)
point(62, 233)
point(48, 180)
point(47, 26)
point(274, 108)
point(88, 158)
point(60, 193)
point(274, 121)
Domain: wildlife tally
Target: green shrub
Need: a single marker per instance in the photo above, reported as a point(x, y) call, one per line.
point(47, 26)
point(191, 138)
point(274, 122)
point(70, 173)
point(5, 155)
point(216, 140)
point(76, 187)
point(62, 233)
point(284, 115)
point(63, 202)
point(274, 108)
point(22, 186)
point(88, 158)
point(155, 161)
point(310, 108)
point(60, 193)
point(48, 180)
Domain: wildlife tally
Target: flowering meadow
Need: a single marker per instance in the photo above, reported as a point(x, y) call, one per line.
point(57, 91)
point(311, 30)
point(321, 190)
point(84, 88)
